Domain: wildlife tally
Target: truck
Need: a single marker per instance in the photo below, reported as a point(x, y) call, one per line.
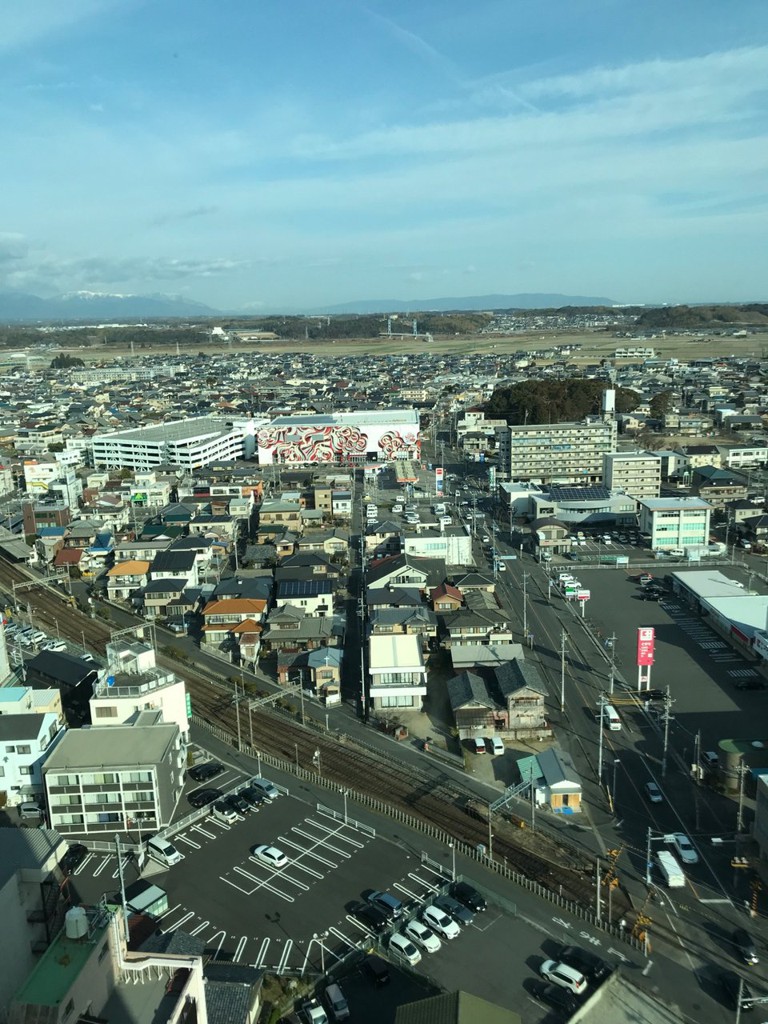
point(672, 873)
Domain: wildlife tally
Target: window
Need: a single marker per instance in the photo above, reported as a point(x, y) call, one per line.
point(106, 712)
point(23, 748)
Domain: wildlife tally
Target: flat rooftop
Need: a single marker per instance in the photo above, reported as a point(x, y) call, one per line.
point(60, 965)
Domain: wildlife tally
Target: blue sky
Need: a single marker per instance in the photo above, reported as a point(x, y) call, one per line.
point(289, 154)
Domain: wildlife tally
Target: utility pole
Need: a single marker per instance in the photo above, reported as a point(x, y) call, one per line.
point(601, 703)
point(562, 671)
point(667, 718)
point(490, 832)
point(742, 770)
point(533, 805)
point(598, 901)
point(525, 604)
point(648, 859)
point(612, 671)
point(237, 708)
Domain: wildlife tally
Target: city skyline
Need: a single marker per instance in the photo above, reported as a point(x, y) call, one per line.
point(255, 159)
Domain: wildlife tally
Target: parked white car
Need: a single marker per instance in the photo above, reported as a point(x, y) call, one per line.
point(439, 921)
point(402, 946)
point(269, 855)
point(422, 936)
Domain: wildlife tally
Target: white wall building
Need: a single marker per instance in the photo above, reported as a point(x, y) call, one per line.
point(188, 444)
point(454, 545)
point(557, 452)
point(24, 741)
point(342, 438)
point(634, 473)
point(677, 523)
point(132, 683)
point(398, 676)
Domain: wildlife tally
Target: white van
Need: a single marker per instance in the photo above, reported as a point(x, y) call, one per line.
point(611, 718)
point(163, 852)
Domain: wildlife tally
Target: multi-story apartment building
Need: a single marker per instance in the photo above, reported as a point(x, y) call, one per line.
point(635, 473)
point(102, 780)
point(24, 740)
point(188, 444)
point(557, 452)
point(674, 523)
point(132, 683)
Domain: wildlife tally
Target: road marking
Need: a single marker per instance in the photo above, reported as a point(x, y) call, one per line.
point(402, 888)
point(561, 923)
point(199, 828)
point(617, 952)
point(427, 885)
point(177, 924)
point(337, 833)
point(322, 842)
point(286, 953)
point(259, 885)
point(342, 938)
point(221, 942)
point(285, 841)
point(200, 928)
point(80, 866)
point(358, 924)
point(126, 862)
point(240, 947)
point(101, 866)
point(170, 910)
point(189, 842)
point(261, 955)
point(680, 941)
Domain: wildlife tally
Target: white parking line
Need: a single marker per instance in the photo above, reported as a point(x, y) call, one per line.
point(286, 954)
point(80, 867)
point(407, 892)
point(322, 842)
point(170, 910)
point(210, 835)
point(181, 838)
point(342, 938)
point(261, 955)
point(101, 866)
point(427, 885)
point(240, 947)
point(361, 927)
point(254, 888)
point(304, 852)
point(337, 833)
point(210, 941)
point(178, 924)
point(200, 928)
point(126, 862)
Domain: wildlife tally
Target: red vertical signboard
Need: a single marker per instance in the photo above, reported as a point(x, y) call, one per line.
point(645, 641)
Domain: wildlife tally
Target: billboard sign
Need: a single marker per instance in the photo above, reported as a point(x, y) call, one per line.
point(646, 636)
point(438, 480)
point(583, 595)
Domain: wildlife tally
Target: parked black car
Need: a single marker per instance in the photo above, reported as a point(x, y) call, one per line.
point(559, 998)
point(458, 911)
point(203, 797)
point(591, 966)
point(204, 772)
point(373, 918)
point(238, 803)
point(252, 796)
point(470, 897)
point(73, 858)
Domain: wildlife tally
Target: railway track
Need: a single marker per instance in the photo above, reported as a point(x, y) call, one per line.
point(432, 797)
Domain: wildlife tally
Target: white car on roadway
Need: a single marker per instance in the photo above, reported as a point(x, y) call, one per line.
point(270, 855)
point(684, 848)
point(440, 922)
point(422, 936)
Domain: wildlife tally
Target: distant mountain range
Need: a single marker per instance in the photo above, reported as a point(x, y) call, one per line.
point(524, 300)
point(97, 306)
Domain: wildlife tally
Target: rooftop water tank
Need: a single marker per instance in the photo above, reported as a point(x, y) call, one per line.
point(76, 923)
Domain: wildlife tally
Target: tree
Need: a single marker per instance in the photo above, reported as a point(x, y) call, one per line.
point(661, 404)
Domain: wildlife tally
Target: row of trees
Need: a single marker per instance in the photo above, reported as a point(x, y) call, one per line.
point(554, 401)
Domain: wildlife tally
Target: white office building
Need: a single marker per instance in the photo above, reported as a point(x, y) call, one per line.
point(188, 444)
point(635, 473)
point(675, 523)
point(557, 452)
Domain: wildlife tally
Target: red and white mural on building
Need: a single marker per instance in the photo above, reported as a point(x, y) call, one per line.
point(296, 444)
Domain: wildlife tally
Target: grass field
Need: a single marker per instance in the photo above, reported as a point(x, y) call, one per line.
point(595, 346)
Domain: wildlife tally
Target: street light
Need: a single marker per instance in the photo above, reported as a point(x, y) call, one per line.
point(453, 861)
point(319, 940)
point(345, 794)
point(616, 763)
